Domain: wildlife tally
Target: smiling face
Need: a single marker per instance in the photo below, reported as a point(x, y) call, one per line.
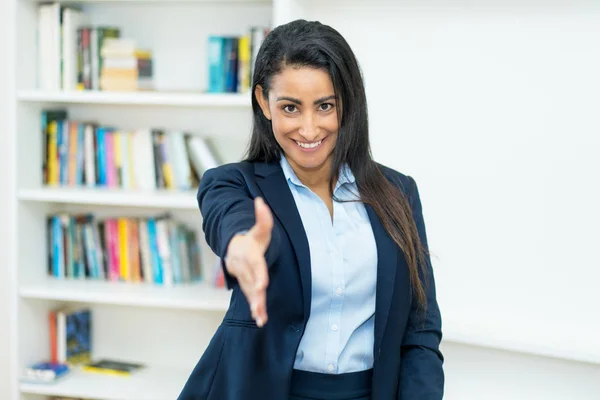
point(302, 108)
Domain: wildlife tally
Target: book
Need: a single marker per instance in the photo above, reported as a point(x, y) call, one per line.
point(44, 372)
point(112, 367)
point(231, 59)
point(151, 249)
point(71, 328)
point(86, 153)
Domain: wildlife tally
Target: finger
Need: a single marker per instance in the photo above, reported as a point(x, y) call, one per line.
point(259, 283)
point(259, 299)
point(264, 222)
point(260, 308)
point(248, 282)
point(260, 273)
point(252, 297)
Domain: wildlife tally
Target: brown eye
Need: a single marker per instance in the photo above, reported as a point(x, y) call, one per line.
point(325, 106)
point(289, 108)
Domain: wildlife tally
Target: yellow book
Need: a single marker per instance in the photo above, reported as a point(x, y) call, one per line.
point(52, 161)
point(244, 50)
point(169, 178)
point(112, 367)
point(167, 165)
point(124, 249)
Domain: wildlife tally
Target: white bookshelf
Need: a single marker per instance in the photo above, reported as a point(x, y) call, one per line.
point(165, 328)
point(153, 383)
point(176, 99)
point(174, 200)
point(199, 297)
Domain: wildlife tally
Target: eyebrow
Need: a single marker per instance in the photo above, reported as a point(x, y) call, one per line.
point(318, 101)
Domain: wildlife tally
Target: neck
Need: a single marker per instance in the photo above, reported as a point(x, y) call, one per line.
point(315, 177)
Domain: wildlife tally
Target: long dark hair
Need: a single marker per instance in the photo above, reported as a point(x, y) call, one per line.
point(311, 44)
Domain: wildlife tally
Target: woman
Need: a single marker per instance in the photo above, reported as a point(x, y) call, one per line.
point(325, 250)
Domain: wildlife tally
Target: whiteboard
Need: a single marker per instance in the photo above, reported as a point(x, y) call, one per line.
point(496, 114)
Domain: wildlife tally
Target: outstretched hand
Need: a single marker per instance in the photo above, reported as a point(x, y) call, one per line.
point(246, 261)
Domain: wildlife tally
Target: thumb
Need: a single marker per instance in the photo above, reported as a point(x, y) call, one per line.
point(264, 222)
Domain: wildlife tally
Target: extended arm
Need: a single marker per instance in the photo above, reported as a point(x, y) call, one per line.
point(227, 208)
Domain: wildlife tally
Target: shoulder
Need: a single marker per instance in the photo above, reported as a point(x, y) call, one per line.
point(405, 183)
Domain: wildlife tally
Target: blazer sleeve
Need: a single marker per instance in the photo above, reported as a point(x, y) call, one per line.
point(227, 208)
point(421, 372)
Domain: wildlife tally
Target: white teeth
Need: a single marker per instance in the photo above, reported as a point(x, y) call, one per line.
point(309, 145)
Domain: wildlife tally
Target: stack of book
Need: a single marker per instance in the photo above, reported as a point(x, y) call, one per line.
point(231, 60)
point(80, 153)
point(119, 66)
point(73, 54)
point(156, 250)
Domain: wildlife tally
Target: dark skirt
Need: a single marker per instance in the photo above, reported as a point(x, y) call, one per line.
point(312, 385)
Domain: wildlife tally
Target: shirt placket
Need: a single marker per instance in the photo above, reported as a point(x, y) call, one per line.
point(337, 293)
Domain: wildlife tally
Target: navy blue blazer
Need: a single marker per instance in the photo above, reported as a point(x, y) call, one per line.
point(244, 362)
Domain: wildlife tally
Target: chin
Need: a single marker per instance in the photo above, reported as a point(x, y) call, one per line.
point(310, 161)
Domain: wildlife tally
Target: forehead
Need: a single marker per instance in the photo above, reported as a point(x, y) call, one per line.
point(302, 82)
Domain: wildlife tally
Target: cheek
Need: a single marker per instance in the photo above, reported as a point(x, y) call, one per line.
point(283, 126)
point(330, 123)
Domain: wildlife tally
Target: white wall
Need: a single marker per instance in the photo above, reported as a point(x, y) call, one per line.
point(493, 107)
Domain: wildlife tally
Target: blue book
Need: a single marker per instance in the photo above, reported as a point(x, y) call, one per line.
point(101, 155)
point(57, 248)
point(175, 256)
point(44, 372)
point(216, 65)
point(231, 64)
point(154, 256)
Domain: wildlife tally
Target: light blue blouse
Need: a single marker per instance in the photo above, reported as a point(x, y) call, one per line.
point(339, 334)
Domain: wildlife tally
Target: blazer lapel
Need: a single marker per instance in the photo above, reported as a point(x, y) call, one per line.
point(387, 264)
point(281, 201)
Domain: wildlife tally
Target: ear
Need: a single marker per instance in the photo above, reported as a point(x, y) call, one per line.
point(263, 102)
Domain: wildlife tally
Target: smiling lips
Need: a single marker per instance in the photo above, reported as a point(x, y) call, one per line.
point(309, 146)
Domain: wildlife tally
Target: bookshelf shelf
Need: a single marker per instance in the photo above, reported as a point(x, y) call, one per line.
point(112, 197)
point(198, 296)
point(176, 99)
point(151, 383)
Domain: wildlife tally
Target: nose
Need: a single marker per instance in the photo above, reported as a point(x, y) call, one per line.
point(308, 128)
